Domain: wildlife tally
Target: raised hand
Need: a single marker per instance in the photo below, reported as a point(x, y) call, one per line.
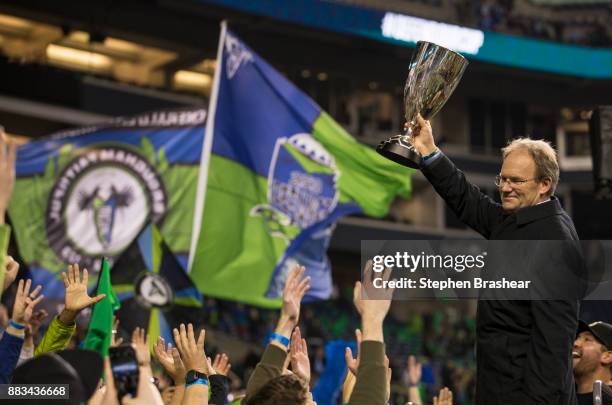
point(38, 317)
point(414, 371)
point(11, 268)
point(25, 301)
point(294, 291)
point(170, 359)
point(445, 397)
point(221, 365)
point(192, 351)
point(8, 154)
point(140, 343)
point(423, 137)
point(295, 288)
point(77, 298)
point(300, 363)
point(373, 309)
point(351, 363)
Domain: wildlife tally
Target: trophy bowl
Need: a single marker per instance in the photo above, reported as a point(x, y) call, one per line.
point(433, 75)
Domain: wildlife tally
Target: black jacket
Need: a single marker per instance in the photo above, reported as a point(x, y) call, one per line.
point(523, 347)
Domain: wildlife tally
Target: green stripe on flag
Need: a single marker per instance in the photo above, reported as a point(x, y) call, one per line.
point(366, 178)
point(240, 266)
point(153, 327)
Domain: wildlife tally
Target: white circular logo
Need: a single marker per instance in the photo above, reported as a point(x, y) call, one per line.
point(152, 290)
point(100, 202)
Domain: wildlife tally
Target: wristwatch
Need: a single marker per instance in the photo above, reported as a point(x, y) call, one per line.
point(193, 376)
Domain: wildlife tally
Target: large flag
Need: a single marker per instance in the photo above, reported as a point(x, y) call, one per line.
point(87, 193)
point(101, 324)
point(276, 174)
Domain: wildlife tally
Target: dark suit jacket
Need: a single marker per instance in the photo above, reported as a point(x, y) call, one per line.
point(523, 347)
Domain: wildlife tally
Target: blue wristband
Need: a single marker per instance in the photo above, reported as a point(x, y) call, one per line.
point(200, 381)
point(432, 154)
point(284, 340)
point(16, 325)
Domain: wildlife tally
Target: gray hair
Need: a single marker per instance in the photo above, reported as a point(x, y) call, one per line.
point(544, 156)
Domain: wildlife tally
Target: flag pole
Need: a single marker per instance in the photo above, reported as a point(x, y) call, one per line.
point(206, 150)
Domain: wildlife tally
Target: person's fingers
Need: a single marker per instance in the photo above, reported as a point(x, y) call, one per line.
point(35, 292)
point(135, 335)
point(97, 299)
point(387, 274)
point(177, 339)
point(183, 336)
point(201, 339)
point(157, 348)
point(176, 356)
point(19, 290)
point(348, 356)
point(357, 291)
point(435, 401)
point(358, 336)
point(217, 360)
point(421, 121)
point(70, 274)
point(303, 287)
point(191, 335)
point(169, 349)
point(65, 278)
point(450, 397)
point(26, 288)
point(85, 277)
point(36, 301)
point(368, 270)
point(77, 274)
point(119, 341)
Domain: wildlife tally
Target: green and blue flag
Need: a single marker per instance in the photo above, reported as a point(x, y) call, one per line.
point(276, 174)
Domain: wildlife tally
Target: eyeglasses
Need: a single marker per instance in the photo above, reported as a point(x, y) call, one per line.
point(511, 181)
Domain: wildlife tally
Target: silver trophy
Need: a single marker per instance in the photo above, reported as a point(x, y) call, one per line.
point(434, 73)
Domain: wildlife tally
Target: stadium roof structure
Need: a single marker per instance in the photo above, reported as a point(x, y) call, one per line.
point(405, 30)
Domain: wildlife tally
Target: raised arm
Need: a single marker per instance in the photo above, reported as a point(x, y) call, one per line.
point(471, 206)
point(273, 359)
point(371, 385)
point(76, 299)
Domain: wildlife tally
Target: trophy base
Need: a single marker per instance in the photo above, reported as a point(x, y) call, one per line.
point(400, 153)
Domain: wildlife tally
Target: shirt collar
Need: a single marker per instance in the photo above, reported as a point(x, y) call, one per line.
point(539, 211)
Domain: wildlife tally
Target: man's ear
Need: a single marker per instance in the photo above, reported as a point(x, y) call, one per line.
point(606, 358)
point(545, 185)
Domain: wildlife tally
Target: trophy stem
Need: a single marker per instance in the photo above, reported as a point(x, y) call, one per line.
point(400, 149)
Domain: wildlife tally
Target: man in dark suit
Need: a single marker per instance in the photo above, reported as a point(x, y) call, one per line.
point(524, 348)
